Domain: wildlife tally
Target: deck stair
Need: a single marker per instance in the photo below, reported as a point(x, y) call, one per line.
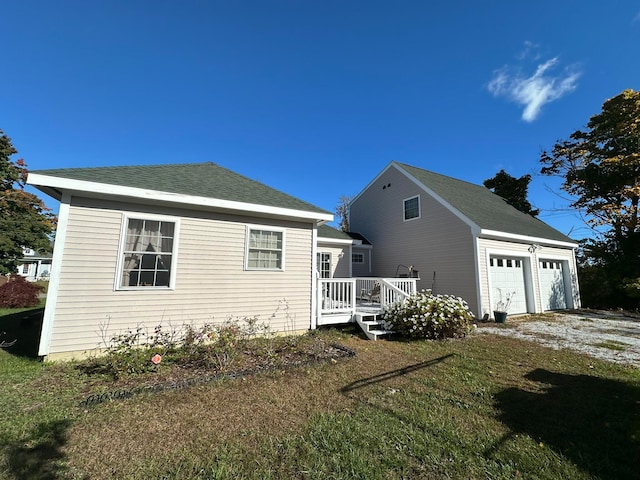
point(371, 324)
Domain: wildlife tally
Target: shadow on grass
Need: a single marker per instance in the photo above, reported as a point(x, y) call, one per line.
point(40, 455)
point(24, 328)
point(592, 421)
point(364, 382)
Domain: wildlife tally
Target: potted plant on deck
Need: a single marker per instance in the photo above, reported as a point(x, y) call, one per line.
point(502, 306)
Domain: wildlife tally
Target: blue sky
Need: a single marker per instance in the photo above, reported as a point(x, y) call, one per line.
point(314, 97)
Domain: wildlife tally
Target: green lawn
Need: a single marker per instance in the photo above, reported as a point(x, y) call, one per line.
point(481, 407)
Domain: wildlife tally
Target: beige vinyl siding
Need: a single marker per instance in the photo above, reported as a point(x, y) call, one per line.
point(436, 243)
point(339, 265)
point(488, 247)
point(211, 283)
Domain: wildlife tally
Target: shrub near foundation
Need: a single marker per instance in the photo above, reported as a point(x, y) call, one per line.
point(425, 315)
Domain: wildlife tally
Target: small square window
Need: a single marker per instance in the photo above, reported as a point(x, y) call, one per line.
point(412, 208)
point(357, 257)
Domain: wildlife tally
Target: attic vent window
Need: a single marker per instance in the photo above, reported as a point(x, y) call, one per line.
point(412, 208)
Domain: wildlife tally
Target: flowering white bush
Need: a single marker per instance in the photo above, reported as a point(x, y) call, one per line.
point(425, 315)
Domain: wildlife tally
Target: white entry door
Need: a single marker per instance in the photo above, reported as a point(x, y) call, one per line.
point(507, 279)
point(552, 290)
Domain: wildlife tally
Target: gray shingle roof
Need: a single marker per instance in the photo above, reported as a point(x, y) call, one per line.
point(325, 231)
point(359, 236)
point(198, 179)
point(483, 207)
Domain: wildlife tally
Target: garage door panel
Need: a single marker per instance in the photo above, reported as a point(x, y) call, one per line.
point(507, 277)
point(552, 288)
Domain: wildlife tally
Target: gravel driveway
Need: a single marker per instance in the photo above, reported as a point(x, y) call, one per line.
point(606, 335)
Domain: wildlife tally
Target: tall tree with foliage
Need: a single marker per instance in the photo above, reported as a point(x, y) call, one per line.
point(24, 219)
point(600, 167)
point(513, 190)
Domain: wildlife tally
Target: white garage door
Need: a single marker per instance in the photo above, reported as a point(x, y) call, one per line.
point(552, 285)
point(507, 279)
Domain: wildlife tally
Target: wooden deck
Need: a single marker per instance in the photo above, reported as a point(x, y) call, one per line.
point(344, 300)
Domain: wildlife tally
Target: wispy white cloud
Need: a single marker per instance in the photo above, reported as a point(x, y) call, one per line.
point(533, 91)
point(530, 51)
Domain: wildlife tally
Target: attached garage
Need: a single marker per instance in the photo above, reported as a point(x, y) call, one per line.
point(552, 285)
point(507, 276)
point(470, 241)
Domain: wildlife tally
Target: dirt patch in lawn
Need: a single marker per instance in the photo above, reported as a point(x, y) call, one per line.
point(610, 336)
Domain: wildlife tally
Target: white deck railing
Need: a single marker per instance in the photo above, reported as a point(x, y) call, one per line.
point(336, 295)
point(342, 295)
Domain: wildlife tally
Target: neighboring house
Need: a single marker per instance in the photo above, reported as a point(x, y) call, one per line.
point(464, 240)
point(173, 244)
point(34, 265)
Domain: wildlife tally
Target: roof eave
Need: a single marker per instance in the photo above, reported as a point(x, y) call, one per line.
point(525, 238)
point(54, 186)
point(341, 241)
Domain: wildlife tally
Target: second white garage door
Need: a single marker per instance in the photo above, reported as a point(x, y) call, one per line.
point(552, 291)
point(507, 276)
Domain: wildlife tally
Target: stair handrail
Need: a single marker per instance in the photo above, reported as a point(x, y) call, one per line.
point(403, 295)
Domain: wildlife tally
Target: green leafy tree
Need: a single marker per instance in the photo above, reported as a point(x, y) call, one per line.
point(24, 219)
point(513, 190)
point(600, 167)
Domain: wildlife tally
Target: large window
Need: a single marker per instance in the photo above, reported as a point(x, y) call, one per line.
point(412, 208)
point(147, 253)
point(265, 249)
point(324, 264)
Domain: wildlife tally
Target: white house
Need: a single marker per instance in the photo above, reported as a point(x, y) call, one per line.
point(34, 265)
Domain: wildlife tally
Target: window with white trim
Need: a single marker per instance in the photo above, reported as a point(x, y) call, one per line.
point(324, 264)
point(357, 257)
point(412, 208)
point(265, 249)
point(147, 253)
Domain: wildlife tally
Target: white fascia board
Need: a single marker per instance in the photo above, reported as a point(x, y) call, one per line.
point(54, 277)
point(72, 185)
point(337, 241)
point(526, 238)
point(313, 321)
point(475, 229)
